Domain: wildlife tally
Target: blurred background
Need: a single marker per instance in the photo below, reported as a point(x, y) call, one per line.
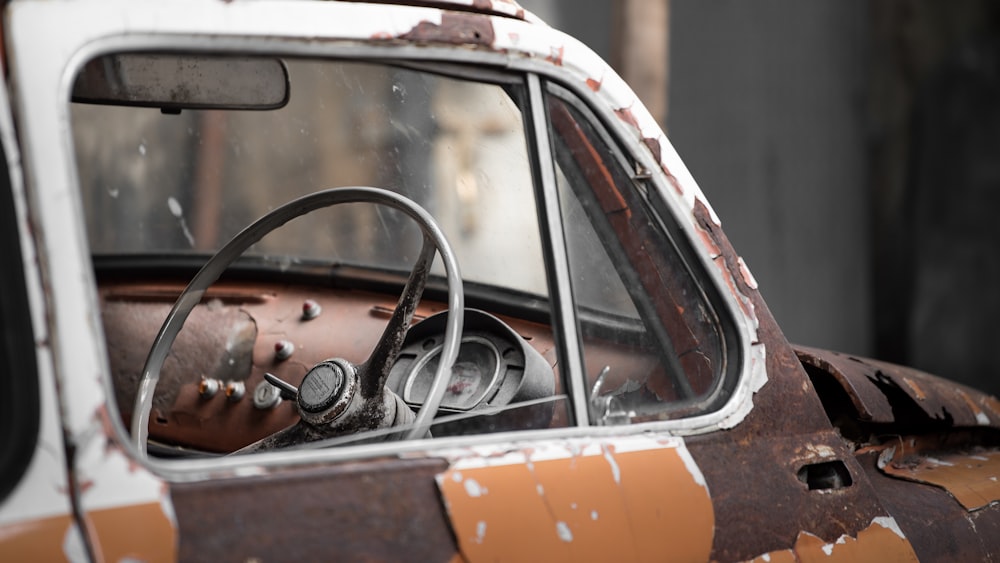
point(852, 150)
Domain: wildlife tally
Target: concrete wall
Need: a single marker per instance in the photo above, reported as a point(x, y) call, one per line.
point(767, 108)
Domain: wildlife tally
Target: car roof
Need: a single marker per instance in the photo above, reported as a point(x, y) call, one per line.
point(507, 8)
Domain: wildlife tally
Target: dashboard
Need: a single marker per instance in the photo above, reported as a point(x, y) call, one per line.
point(212, 395)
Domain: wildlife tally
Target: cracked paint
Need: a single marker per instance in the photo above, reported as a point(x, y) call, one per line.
point(969, 476)
point(882, 541)
point(563, 500)
point(127, 509)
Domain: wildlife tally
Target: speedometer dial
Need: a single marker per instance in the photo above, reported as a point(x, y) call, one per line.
point(476, 372)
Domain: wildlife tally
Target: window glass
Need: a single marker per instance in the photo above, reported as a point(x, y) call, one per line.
point(652, 342)
point(164, 189)
point(163, 183)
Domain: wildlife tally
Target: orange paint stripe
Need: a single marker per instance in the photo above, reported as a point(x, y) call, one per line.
point(596, 505)
point(973, 479)
point(140, 532)
point(877, 542)
point(35, 540)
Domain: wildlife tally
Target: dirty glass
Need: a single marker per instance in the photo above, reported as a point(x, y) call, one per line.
point(171, 188)
point(157, 183)
point(652, 343)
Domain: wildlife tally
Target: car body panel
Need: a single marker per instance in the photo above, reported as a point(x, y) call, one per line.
point(776, 473)
point(567, 499)
point(884, 393)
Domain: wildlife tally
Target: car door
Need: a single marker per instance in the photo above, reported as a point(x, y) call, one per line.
point(660, 358)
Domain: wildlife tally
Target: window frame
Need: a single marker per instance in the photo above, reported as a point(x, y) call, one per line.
point(48, 118)
point(656, 208)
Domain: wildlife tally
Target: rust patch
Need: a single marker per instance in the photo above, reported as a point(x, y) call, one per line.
point(544, 507)
point(879, 392)
point(455, 29)
point(653, 144)
point(972, 477)
point(595, 85)
point(625, 114)
point(714, 233)
point(881, 541)
point(482, 7)
point(716, 243)
point(371, 510)
point(917, 391)
point(35, 540)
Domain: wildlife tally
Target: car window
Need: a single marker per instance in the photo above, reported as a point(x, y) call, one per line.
point(19, 394)
point(165, 187)
point(156, 182)
point(653, 343)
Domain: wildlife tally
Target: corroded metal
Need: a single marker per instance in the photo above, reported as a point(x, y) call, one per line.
point(884, 393)
point(377, 510)
point(881, 541)
point(938, 527)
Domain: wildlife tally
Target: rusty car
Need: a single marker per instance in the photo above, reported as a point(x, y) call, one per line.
point(413, 280)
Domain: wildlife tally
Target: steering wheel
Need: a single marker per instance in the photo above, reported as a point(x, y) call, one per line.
point(335, 397)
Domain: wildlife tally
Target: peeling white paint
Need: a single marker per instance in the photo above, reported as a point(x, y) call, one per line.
point(73, 546)
point(821, 450)
point(615, 470)
point(565, 534)
point(745, 271)
point(890, 523)
point(828, 549)
point(593, 515)
point(982, 419)
point(743, 396)
point(885, 457)
point(692, 466)
point(473, 489)
point(936, 461)
point(249, 471)
point(480, 531)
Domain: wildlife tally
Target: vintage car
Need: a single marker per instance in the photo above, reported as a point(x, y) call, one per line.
point(416, 280)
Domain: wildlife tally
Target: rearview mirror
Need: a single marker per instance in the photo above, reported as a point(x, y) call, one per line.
point(173, 82)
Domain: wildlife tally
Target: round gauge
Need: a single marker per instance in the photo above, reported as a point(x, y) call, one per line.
point(476, 371)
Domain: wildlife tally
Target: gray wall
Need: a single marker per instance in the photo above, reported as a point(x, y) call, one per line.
point(767, 110)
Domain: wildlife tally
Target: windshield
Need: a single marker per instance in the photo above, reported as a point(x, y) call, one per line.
point(162, 182)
